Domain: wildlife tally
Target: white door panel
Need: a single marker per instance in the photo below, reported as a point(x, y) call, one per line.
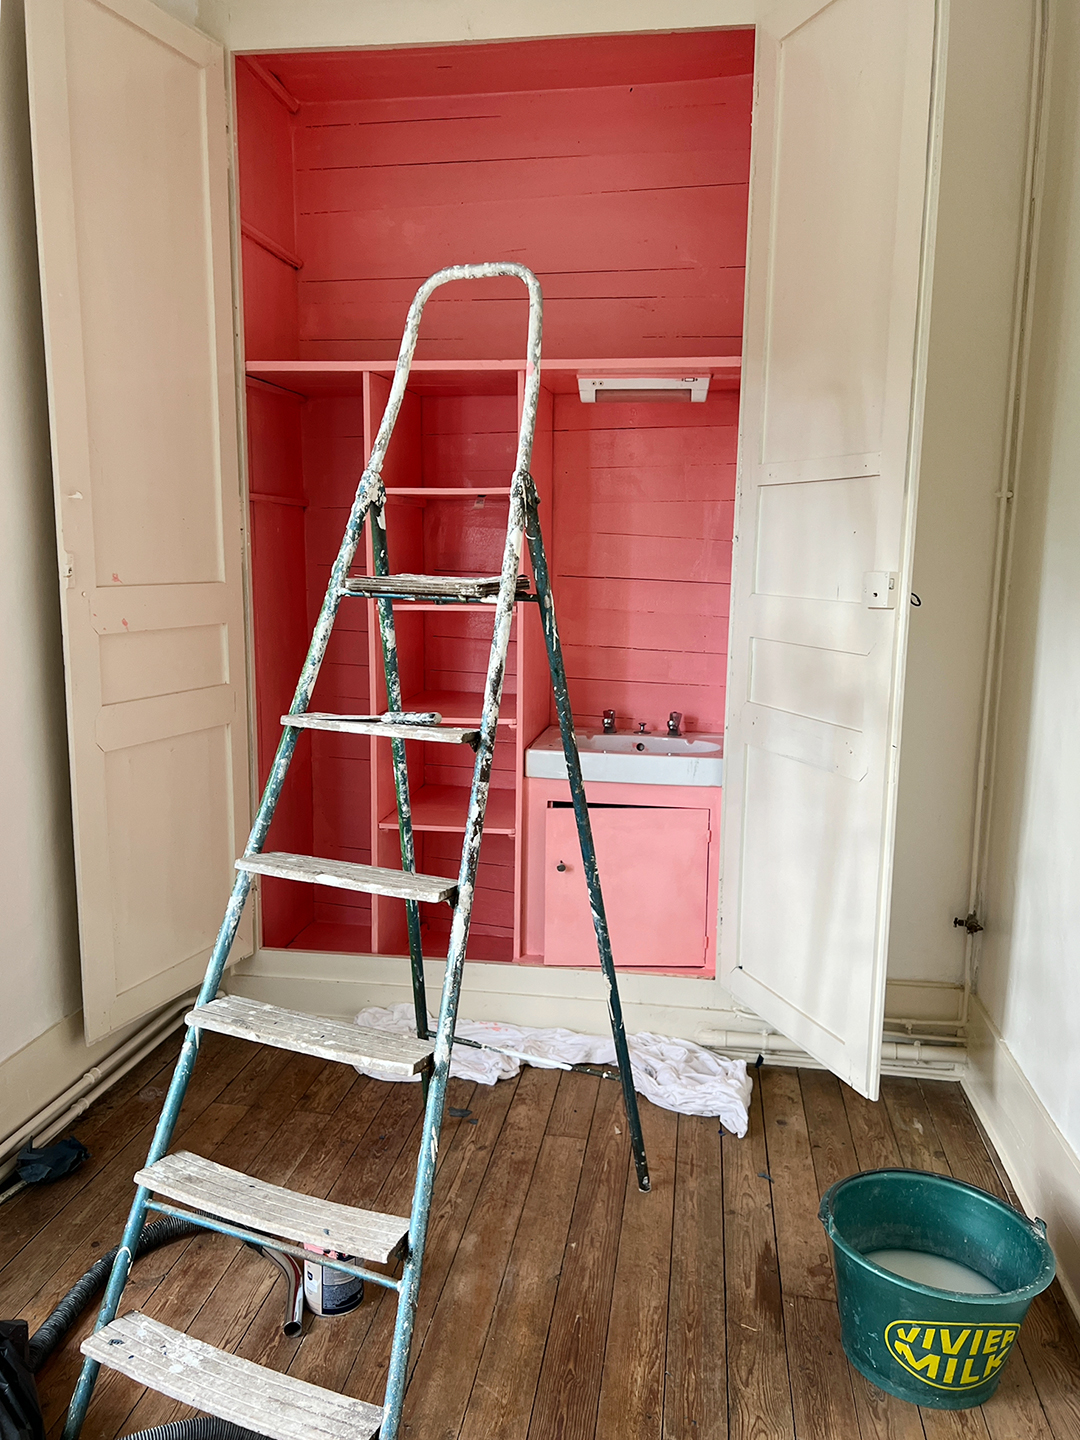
point(129, 133)
point(835, 272)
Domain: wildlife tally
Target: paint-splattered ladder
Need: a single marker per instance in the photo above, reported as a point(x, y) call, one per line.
point(220, 1199)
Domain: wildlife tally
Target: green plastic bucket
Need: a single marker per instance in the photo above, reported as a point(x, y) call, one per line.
point(933, 1347)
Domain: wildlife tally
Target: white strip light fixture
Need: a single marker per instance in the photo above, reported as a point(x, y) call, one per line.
point(643, 388)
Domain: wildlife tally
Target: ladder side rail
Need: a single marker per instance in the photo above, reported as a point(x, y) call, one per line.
point(368, 491)
point(474, 830)
point(392, 676)
point(584, 829)
point(488, 271)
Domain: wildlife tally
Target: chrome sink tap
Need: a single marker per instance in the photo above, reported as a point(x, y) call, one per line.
point(609, 722)
point(674, 723)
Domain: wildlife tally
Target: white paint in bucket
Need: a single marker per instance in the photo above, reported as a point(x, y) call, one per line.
point(935, 1270)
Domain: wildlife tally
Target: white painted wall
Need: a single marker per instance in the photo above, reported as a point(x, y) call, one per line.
point(1029, 976)
point(980, 208)
point(185, 10)
point(39, 960)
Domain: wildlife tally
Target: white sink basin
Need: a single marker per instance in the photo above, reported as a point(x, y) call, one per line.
point(631, 759)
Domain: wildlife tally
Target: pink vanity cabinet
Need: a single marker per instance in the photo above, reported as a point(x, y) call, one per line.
point(657, 847)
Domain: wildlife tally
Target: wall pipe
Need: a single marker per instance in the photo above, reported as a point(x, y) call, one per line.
point(772, 1045)
point(1005, 496)
point(77, 1098)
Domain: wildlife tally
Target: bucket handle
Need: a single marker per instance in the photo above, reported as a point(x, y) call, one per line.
point(825, 1215)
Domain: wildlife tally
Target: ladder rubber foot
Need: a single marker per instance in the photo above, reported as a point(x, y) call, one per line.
point(272, 1210)
point(224, 1385)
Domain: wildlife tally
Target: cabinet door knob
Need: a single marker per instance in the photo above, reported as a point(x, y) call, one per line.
point(560, 866)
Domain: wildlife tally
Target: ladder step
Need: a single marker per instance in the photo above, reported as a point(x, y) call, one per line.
point(224, 1385)
point(401, 727)
point(430, 587)
point(286, 1214)
point(393, 1055)
point(344, 875)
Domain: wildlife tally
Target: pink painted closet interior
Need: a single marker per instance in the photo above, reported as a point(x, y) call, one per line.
point(617, 168)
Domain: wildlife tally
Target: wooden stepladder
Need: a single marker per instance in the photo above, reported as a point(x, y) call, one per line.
point(280, 1220)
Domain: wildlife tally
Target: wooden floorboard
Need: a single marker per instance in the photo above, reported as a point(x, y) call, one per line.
point(695, 1375)
point(504, 1386)
point(568, 1392)
point(557, 1302)
point(758, 1383)
point(632, 1383)
point(448, 1362)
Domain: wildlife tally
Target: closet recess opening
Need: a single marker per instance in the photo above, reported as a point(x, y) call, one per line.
point(617, 168)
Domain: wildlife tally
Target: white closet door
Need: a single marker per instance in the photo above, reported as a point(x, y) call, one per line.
point(837, 268)
point(129, 134)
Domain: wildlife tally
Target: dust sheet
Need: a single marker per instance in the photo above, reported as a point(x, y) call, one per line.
point(674, 1074)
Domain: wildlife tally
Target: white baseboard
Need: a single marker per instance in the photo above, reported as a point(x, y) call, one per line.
point(1041, 1164)
point(31, 1077)
point(321, 983)
point(324, 983)
point(328, 984)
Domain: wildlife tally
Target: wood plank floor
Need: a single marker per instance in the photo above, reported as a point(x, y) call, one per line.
point(558, 1303)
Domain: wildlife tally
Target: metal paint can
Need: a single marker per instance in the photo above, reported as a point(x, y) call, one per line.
point(328, 1291)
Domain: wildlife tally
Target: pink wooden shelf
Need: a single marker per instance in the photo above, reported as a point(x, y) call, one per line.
point(444, 807)
point(459, 707)
point(313, 378)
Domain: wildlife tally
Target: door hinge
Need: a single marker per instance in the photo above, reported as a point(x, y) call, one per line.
point(970, 923)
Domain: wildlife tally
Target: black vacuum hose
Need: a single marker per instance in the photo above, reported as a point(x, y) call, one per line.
point(51, 1334)
point(52, 1331)
point(199, 1427)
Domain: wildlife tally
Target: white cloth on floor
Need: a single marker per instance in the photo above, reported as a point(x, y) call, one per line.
point(674, 1074)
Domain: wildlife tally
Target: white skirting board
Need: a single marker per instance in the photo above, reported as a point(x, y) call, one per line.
point(321, 983)
point(1041, 1164)
point(47, 1066)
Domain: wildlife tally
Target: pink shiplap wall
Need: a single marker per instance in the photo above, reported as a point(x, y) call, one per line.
point(643, 557)
point(619, 177)
point(333, 434)
point(280, 629)
point(264, 144)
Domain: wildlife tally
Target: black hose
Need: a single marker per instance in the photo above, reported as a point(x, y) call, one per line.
point(52, 1331)
point(199, 1427)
